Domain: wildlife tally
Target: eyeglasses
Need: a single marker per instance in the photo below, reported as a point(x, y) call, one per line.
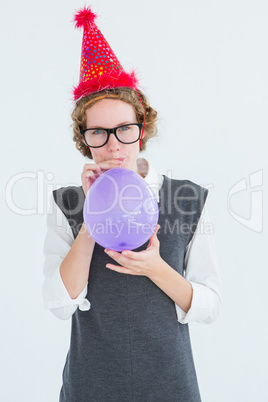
point(126, 134)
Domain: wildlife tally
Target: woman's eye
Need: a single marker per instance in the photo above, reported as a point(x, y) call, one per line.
point(98, 132)
point(124, 128)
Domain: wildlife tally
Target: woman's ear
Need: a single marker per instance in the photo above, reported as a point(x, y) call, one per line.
point(144, 134)
point(85, 144)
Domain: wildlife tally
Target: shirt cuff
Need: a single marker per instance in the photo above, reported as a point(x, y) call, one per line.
point(205, 306)
point(56, 295)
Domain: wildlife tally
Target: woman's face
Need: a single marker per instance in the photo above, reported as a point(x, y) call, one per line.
point(110, 113)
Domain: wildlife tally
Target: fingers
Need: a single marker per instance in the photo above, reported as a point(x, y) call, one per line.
point(120, 269)
point(92, 171)
point(121, 258)
point(91, 168)
point(156, 229)
point(102, 166)
point(134, 255)
point(154, 241)
point(154, 235)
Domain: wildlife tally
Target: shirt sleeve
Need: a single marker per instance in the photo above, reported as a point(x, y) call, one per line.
point(201, 270)
point(58, 241)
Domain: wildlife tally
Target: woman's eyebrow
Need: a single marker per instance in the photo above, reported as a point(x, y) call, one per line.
point(118, 125)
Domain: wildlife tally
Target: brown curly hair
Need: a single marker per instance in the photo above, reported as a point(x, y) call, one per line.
point(125, 94)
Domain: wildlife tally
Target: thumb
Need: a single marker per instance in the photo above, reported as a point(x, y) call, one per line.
point(154, 235)
point(156, 229)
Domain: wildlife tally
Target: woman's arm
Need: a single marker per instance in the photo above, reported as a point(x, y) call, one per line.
point(201, 270)
point(149, 263)
point(74, 269)
point(67, 261)
point(197, 296)
point(174, 285)
point(58, 244)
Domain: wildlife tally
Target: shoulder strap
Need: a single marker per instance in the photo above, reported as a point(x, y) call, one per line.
point(183, 200)
point(71, 201)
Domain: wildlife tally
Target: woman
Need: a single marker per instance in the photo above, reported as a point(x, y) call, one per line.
point(130, 339)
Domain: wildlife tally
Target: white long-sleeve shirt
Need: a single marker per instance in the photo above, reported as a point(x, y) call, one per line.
point(200, 264)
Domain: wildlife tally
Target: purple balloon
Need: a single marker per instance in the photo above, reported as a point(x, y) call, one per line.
point(120, 210)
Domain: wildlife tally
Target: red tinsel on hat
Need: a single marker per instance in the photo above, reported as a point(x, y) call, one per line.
point(100, 68)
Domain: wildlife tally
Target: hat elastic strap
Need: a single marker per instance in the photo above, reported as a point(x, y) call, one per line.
point(144, 118)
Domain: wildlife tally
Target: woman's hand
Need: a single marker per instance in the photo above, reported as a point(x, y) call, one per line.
point(92, 171)
point(146, 262)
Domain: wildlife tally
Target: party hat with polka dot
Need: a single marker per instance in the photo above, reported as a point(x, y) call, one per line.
point(100, 68)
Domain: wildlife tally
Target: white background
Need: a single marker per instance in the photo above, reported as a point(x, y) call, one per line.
point(204, 67)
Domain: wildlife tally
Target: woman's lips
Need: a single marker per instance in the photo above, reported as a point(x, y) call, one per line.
point(120, 159)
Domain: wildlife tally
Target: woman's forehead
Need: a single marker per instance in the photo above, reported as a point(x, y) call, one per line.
point(108, 112)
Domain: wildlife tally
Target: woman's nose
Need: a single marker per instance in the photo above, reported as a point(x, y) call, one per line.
point(113, 143)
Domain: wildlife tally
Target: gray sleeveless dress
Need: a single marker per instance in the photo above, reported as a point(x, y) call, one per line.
point(130, 347)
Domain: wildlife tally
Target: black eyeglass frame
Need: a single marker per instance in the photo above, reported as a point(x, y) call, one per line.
point(110, 131)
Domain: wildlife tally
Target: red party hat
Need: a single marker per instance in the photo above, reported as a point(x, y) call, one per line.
point(100, 68)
